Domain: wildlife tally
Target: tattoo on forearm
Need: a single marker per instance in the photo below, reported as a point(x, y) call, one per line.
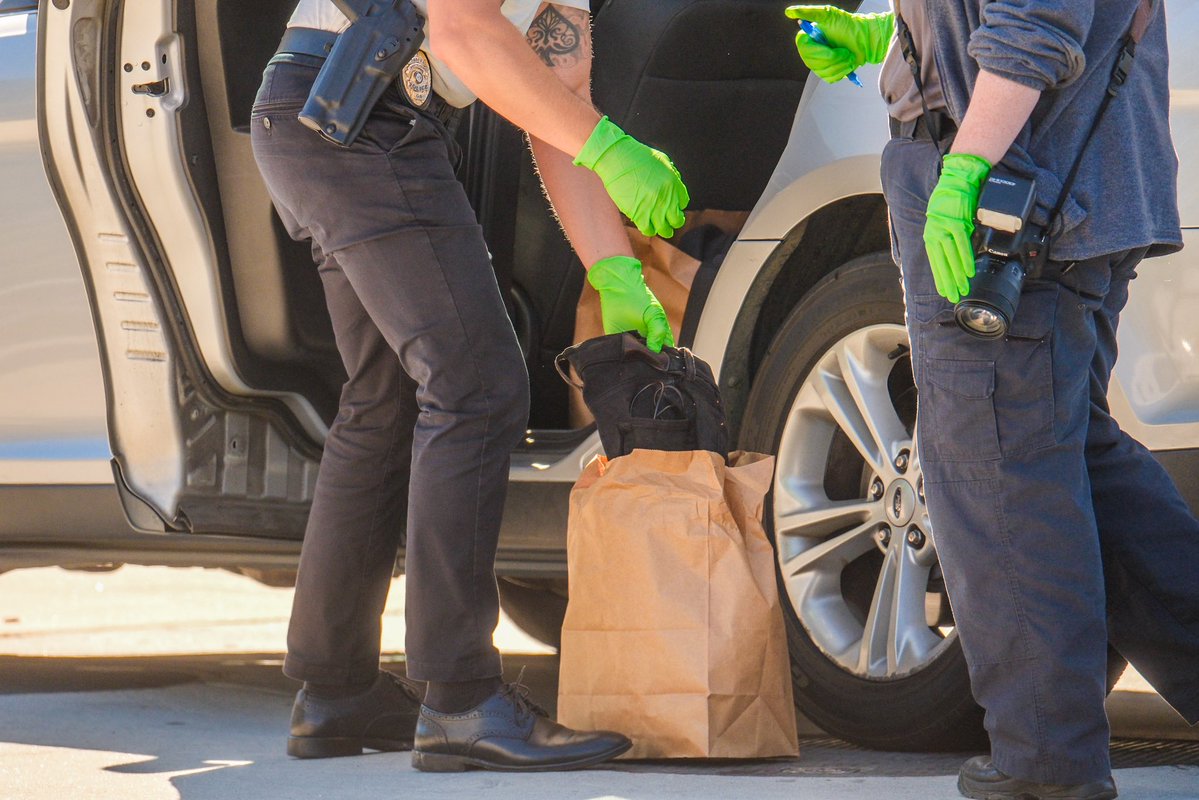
point(561, 36)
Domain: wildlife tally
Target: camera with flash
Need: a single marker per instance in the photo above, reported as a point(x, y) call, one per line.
point(1008, 249)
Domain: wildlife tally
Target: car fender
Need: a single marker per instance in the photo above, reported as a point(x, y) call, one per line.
point(832, 153)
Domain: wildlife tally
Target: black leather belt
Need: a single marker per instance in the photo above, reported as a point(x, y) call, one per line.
point(311, 46)
point(916, 129)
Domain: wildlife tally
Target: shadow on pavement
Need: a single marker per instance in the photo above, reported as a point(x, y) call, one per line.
point(215, 726)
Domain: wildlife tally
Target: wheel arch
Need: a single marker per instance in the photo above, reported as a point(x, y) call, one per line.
point(786, 270)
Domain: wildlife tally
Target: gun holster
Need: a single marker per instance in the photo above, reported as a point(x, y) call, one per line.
point(382, 38)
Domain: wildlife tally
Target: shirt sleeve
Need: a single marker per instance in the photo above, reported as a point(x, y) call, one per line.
point(1036, 43)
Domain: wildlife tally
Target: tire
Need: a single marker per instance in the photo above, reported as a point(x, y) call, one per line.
point(917, 704)
point(536, 605)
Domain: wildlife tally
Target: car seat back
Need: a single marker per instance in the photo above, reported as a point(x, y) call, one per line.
point(713, 83)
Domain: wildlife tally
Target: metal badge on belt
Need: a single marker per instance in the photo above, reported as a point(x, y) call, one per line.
point(417, 80)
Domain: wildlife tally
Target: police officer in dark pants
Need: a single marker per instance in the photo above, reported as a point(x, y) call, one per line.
point(1056, 531)
point(437, 394)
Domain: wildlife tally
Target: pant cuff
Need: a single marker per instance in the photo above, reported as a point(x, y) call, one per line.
point(472, 668)
point(340, 674)
point(1065, 772)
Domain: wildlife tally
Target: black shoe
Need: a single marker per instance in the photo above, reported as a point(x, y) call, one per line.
point(507, 731)
point(981, 780)
point(382, 717)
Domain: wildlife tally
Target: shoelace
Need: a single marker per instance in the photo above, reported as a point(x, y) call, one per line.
point(518, 694)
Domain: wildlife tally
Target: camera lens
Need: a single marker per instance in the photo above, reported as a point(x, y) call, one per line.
point(981, 320)
point(994, 295)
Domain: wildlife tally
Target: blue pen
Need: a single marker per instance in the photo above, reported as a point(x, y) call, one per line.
point(819, 38)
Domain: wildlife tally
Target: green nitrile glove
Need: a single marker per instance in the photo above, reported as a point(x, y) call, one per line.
point(853, 40)
point(626, 302)
point(949, 223)
point(641, 180)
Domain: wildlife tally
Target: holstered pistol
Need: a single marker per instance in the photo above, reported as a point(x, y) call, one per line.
point(382, 38)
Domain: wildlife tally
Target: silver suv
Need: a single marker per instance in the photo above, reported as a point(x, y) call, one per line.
point(168, 372)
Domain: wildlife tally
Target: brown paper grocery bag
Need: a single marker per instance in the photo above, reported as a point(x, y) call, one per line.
point(674, 633)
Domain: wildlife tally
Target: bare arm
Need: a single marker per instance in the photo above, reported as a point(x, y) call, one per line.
point(561, 38)
point(491, 57)
point(998, 110)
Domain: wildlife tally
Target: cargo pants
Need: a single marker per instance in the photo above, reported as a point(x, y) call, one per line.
point(1055, 529)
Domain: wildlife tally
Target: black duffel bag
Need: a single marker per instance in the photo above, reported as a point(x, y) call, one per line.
point(646, 400)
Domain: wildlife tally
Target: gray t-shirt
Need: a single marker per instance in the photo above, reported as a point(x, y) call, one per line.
point(1126, 195)
point(895, 81)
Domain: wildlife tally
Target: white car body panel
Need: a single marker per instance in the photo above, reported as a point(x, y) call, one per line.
point(52, 411)
point(142, 426)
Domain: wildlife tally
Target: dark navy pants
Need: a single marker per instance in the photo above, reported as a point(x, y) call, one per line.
point(1055, 529)
point(437, 395)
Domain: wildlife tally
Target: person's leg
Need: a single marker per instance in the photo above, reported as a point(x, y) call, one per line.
point(358, 507)
point(455, 339)
point(1149, 538)
point(391, 216)
point(1001, 440)
point(360, 499)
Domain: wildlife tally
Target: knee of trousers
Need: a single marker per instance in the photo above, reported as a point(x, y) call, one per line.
point(485, 395)
point(511, 398)
point(368, 407)
point(495, 389)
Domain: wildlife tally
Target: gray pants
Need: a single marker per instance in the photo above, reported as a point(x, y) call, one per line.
point(1055, 529)
point(436, 399)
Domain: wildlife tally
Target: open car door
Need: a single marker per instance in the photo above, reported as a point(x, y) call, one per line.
point(219, 393)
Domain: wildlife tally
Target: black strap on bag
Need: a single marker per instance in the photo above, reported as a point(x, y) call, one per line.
point(1124, 61)
point(646, 400)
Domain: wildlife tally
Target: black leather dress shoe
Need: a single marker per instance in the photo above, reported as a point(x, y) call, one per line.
point(381, 718)
point(981, 780)
point(507, 731)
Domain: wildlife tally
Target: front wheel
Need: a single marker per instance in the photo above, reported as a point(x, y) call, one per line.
point(875, 656)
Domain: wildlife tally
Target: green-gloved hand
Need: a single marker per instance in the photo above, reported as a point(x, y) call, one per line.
point(626, 302)
point(853, 40)
point(641, 180)
point(949, 223)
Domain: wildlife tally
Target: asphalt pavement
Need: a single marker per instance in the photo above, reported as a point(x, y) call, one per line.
point(158, 683)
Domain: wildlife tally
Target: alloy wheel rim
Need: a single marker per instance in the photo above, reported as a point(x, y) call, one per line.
point(849, 393)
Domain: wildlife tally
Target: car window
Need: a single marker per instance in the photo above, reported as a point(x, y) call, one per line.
point(13, 6)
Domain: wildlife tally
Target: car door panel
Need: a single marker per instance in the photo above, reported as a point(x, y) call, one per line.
point(189, 453)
